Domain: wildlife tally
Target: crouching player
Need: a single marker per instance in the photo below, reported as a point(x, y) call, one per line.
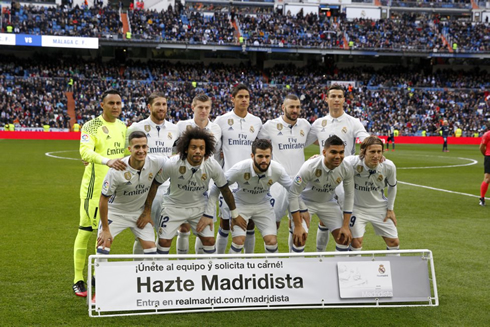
point(315, 185)
point(187, 196)
point(124, 194)
point(371, 177)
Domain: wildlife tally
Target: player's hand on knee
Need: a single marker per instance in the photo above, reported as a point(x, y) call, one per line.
point(299, 236)
point(203, 222)
point(144, 219)
point(390, 214)
point(305, 215)
point(345, 236)
point(240, 222)
point(104, 239)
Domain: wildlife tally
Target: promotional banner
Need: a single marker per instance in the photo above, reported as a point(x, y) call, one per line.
point(281, 281)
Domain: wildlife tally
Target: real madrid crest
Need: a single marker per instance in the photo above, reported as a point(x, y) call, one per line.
point(339, 180)
point(360, 169)
point(302, 133)
point(182, 170)
point(147, 128)
point(252, 129)
point(204, 177)
point(380, 178)
point(127, 175)
point(344, 129)
point(324, 123)
point(188, 127)
point(381, 269)
point(318, 172)
point(150, 176)
point(270, 182)
point(105, 129)
point(169, 136)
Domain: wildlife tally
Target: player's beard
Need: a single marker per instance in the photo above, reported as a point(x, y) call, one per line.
point(257, 165)
point(288, 116)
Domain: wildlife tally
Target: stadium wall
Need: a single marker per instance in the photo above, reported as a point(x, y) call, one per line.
point(76, 136)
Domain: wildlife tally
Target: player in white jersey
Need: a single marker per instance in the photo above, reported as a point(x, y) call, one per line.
point(161, 135)
point(254, 178)
point(239, 129)
point(201, 106)
point(187, 196)
point(371, 177)
point(339, 123)
point(315, 185)
point(288, 135)
point(124, 194)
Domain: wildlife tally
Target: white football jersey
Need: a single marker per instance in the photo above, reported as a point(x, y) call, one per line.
point(254, 188)
point(237, 136)
point(161, 138)
point(129, 188)
point(369, 184)
point(346, 127)
point(288, 142)
point(189, 184)
point(316, 183)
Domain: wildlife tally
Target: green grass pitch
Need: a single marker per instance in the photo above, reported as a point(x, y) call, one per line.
point(437, 209)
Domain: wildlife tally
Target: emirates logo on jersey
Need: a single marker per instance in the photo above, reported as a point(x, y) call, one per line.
point(147, 128)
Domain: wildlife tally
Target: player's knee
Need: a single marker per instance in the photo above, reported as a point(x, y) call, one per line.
point(270, 240)
point(240, 240)
point(392, 242)
point(164, 242)
point(208, 241)
point(185, 228)
point(357, 242)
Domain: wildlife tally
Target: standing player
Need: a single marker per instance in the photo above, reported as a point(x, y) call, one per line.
point(485, 150)
point(371, 177)
point(391, 137)
point(339, 123)
point(101, 147)
point(187, 199)
point(161, 135)
point(124, 194)
point(239, 129)
point(315, 185)
point(288, 135)
point(445, 134)
point(254, 178)
point(201, 107)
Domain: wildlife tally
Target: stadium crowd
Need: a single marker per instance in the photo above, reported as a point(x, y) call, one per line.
point(33, 92)
point(401, 32)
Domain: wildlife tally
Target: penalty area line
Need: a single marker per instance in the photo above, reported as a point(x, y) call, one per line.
point(439, 189)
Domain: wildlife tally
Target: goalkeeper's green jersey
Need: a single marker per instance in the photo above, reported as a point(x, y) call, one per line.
point(100, 141)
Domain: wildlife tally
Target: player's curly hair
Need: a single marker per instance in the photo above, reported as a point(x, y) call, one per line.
point(368, 141)
point(195, 133)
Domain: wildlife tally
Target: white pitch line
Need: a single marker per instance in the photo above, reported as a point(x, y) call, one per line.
point(438, 189)
point(471, 163)
point(49, 154)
